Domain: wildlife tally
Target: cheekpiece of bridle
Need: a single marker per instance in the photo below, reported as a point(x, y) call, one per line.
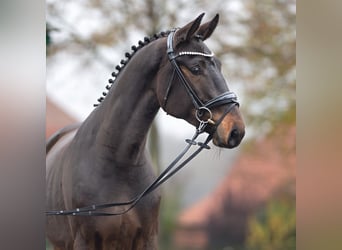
point(203, 115)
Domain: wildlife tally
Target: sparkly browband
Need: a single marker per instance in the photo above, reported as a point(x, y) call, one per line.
point(193, 53)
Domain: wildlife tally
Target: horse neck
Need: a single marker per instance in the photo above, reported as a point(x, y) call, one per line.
point(129, 108)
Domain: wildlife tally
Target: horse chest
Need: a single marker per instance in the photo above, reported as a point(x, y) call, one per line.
point(119, 184)
point(136, 229)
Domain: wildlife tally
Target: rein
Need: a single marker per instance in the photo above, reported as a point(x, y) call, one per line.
point(225, 98)
point(165, 175)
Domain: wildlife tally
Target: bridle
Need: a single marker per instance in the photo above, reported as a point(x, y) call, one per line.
point(200, 106)
point(228, 97)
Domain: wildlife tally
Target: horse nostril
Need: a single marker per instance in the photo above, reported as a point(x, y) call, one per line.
point(235, 138)
point(234, 133)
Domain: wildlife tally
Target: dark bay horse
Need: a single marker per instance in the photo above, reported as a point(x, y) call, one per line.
point(104, 159)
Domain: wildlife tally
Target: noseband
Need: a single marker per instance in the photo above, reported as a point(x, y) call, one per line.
point(201, 107)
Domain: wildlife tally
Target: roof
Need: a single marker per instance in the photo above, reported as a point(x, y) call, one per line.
point(56, 118)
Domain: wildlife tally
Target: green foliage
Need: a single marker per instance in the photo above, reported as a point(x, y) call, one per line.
point(48, 31)
point(168, 219)
point(48, 38)
point(48, 245)
point(274, 227)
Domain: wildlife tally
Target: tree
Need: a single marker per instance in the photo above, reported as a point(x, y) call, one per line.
point(274, 226)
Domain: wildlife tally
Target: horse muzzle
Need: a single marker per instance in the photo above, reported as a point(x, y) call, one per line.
point(231, 130)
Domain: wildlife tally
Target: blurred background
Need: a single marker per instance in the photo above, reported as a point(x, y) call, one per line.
point(225, 199)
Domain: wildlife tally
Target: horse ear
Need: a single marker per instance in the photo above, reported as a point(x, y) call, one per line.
point(188, 31)
point(208, 28)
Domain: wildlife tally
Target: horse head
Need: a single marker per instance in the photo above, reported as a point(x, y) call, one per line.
point(191, 85)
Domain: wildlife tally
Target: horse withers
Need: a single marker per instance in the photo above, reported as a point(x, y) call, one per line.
point(104, 159)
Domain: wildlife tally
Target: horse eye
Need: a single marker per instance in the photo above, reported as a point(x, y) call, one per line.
point(195, 70)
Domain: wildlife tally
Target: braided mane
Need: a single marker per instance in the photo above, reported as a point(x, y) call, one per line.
point(128, 56)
